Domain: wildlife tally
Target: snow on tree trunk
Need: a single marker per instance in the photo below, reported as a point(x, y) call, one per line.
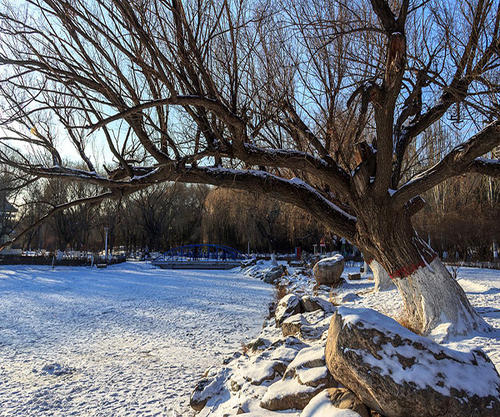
point(381, 277)
point(435, 304)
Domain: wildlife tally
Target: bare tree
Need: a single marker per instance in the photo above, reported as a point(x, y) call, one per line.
point(316, 103)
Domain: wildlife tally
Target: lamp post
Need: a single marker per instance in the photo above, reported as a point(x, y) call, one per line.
point(106, 245)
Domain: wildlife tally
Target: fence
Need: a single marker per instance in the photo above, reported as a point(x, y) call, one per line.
point(48, 260)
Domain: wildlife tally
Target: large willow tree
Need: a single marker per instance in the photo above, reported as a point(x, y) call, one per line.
point(321, 104)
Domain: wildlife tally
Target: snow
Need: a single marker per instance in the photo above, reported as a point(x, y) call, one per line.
point(455, 368)
point(130, 340)
point(333, 260)
point(320, 406)
point(127, 340)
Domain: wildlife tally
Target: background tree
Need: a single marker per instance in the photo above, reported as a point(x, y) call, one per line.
point(316, 103)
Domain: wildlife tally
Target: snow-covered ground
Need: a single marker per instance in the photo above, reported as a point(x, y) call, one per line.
point(129, 340)
point(267, 377)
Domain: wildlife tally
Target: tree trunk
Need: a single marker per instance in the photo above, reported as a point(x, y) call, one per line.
point(381, 277)
point(434, 303)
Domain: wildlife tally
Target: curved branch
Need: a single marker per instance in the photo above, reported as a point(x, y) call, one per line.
point(219, 109)
point(456, 162)
point(484, 166)
point(89, 200)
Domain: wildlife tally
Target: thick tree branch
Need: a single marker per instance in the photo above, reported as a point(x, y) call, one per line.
point(456, 162)
point(484, 166)
point(61, 207)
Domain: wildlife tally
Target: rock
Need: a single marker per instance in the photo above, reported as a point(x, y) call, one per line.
point(398, 373)
point(346, 400)
point(292, 325)
point(287, 306)
point(309, 368)
point(310, 357)
point(258, 344)
point(273, 274)
point(350, 297)
point(288, 394)
point(311, 303)
point(208, 387)
point(315, 377)
point(321, 405)
point(264, 370)
point(328, 271)
point(354, 276)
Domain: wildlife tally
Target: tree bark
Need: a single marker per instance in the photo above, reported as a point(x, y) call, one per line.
point(381, 277)
point(434, 303)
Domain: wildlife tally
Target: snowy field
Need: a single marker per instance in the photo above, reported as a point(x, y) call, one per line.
point(126, 341)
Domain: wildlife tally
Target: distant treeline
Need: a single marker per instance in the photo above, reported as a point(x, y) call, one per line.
point(461, 218)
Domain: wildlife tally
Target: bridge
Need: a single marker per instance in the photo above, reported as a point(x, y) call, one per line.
point(201, 256)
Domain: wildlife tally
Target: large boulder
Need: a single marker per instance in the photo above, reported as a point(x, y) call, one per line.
point(328, 271)
point(400, 374)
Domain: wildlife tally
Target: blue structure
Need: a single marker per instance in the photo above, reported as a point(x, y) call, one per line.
point(202, 256)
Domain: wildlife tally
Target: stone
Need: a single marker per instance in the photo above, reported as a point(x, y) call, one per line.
point(209, 386)
point(328, 271)
point(321, 405)
point(273, 274)
point(346, 400)
point(292, 325)
point(312, 303)
point(287, 306)
point(354, 276)
point(350, 297)
point(309, 357)
point(263, 370)
point(398, 373)
point(288, 394)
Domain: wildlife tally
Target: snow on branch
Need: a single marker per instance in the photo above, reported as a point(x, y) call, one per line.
point(294, 191)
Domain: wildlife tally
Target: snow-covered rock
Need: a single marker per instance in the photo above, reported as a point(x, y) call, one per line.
point(312, 303)
point(287, 306)
point(321, 406)
point(393, 370)
point(273, 274)
point(310, 357)
point(350, 297)
point(293, 324)
point(288, 394)
point(208, 387)
point(328, 271)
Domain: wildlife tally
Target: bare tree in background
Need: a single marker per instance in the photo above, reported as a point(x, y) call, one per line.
point(317, 103)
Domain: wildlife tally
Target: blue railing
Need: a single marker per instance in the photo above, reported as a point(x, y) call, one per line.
point(201, 252)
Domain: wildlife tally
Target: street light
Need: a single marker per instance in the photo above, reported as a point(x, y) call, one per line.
point(106, 245)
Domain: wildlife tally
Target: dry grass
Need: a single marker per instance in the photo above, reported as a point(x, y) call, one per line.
point(245, 348)
point(403, 321)
point(279, 292)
